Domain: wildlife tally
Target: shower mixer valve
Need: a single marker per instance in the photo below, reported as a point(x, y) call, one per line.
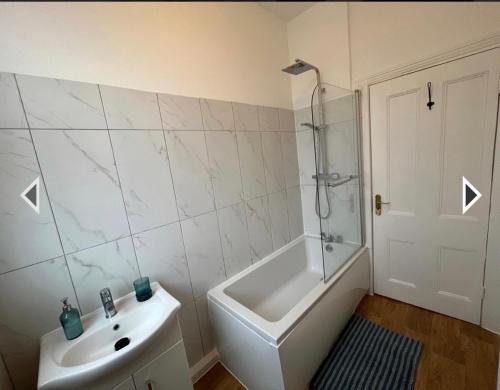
point(336, 238)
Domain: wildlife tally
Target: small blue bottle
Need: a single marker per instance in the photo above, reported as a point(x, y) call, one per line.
point(70, 321)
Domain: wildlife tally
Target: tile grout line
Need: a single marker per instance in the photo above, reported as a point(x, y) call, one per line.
point(266, 194)
point(175, 197)
point(215, 207)
point(146, 129)
point(243, 191)
point(119, 182)
point(213, 188)
point(286, 195)
point(134, 234)
point(283, 190)
point(180, 224)
point(215, 203)
point(267, 188)
point(48, 197)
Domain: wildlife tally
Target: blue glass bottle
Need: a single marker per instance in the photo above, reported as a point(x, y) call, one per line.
point(70, 321)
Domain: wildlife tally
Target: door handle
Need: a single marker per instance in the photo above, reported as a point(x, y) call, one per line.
point(378, 204)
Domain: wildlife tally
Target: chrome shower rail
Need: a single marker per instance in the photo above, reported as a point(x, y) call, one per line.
point(341, 181)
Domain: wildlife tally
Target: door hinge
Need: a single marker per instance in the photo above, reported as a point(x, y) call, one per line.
point(483, 292)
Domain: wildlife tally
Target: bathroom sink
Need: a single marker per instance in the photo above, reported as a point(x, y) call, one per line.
point(105, 344)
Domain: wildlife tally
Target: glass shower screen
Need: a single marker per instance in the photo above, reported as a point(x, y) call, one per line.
point(338, 192)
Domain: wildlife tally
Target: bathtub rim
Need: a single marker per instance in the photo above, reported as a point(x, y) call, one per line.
point(275, 332)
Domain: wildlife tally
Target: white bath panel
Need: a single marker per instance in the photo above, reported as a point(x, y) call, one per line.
point(276, 336)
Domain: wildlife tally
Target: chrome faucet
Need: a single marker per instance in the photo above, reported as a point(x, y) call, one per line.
point(337, 238)
point(107, 302)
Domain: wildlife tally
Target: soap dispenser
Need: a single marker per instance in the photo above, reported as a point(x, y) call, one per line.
point(70, 321)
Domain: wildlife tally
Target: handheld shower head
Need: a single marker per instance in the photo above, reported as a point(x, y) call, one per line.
point(299, 67)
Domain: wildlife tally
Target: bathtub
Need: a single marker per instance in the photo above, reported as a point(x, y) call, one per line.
point(276, 321)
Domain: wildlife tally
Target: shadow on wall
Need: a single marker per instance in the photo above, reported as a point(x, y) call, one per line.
point(187, 191)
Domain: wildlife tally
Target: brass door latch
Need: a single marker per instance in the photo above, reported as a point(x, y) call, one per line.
point(378, 204)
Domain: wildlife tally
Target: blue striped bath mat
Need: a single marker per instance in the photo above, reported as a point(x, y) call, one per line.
point(369, 357)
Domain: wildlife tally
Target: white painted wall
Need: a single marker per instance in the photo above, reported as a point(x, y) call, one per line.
point(320, 37)
point(232, 51)
point(391, 33)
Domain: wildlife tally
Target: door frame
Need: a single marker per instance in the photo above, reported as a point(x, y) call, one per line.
point(486, 43)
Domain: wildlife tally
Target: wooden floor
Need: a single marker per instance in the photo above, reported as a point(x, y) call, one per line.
point(456, 355)
point(217, 378)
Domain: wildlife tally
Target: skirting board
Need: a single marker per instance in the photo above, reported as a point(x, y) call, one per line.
point(204, 365)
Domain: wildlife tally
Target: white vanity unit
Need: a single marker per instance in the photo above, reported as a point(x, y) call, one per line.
point(152, 358)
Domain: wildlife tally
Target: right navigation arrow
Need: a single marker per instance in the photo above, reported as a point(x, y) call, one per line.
point(470, 195)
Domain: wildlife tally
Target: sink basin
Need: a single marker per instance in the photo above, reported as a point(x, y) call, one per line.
point(105, 343)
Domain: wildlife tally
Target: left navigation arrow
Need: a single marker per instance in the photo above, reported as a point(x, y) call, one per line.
point(31, 195)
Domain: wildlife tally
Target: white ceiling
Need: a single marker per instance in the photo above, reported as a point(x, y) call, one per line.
point(286, 10)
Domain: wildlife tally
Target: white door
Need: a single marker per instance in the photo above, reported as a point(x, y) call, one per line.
point(425, 251)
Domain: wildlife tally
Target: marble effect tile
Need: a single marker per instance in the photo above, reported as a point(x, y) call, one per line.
point(36, 306)
point(11, 109)
point(180, 112)
point(30, 307)
point(259, 228)
point(269, 119)
point(224, 167)
point(306, 157)
point(280, 231)
point(130, 109)
point(25, 237)
point(191, 333)
point(206, 331)
point(161, 256)
point(190, 171)
point(217, 115)
point(72, 105)
point(82, 185)
point(287, 120)
point(294, 206)
point(110, 265)
point(342, 151)
point(310, 219)
point(144, 170)
point(246, 117)
point(273, 162)
point(204, 252)
point(252, 164)
point(234, 237)
point(290, 159)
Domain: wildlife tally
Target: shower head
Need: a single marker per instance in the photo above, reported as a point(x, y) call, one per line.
point(299, 67)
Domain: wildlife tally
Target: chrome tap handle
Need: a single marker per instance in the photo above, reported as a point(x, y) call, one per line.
point(107, 302)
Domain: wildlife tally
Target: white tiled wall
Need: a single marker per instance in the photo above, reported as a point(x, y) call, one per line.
point(187, 191)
